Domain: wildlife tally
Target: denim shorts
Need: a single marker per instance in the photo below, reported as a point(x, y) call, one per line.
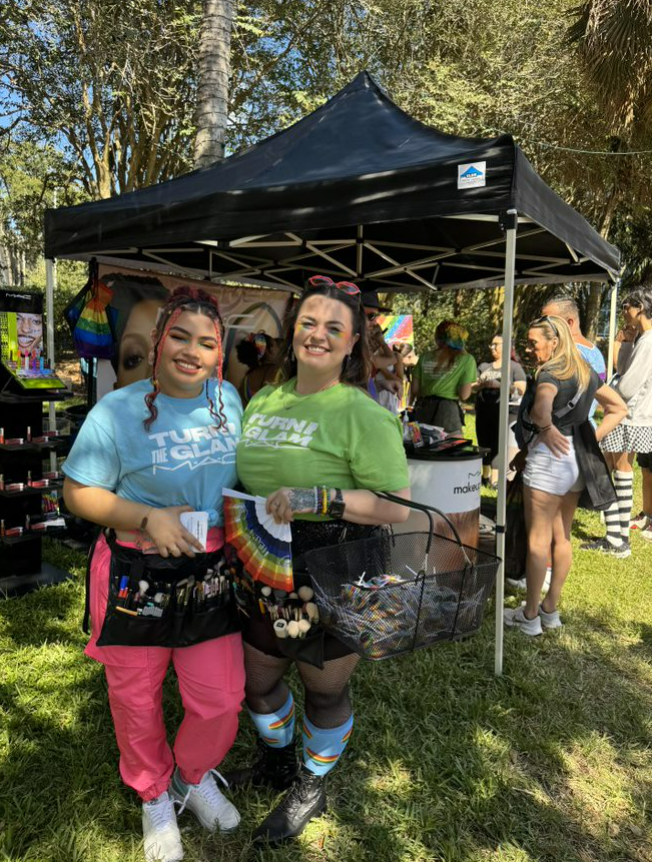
point(546, 472)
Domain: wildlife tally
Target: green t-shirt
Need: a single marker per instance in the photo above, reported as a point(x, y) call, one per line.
point(444, 382)
point(339, 438)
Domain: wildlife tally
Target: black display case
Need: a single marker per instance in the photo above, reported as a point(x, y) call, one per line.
point(21, 417)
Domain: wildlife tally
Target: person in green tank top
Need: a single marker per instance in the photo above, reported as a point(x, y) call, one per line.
point(316, 446)
point(443, 377)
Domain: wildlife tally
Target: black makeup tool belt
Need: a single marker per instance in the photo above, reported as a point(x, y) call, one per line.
point(159, 601)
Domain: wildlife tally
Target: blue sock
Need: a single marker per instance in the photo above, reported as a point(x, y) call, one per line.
point(323, 747)
point(276, 728)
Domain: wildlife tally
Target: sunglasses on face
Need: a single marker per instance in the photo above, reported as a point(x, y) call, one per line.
point(317, 281)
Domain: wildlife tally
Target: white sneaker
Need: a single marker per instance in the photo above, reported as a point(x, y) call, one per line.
point(639, 521)
point(550, 621)
point(516, 583)
point(645, 532)
point(521, 583)
point(162, 841)
point(516, 618)
point(206, 801)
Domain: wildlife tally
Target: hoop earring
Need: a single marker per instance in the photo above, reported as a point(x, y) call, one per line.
point(291, 355)
point(346, 363)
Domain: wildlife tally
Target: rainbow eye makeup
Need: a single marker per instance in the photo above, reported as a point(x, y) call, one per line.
point(336, 333)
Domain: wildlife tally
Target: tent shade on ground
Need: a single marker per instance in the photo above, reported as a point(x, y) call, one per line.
point(356, 190)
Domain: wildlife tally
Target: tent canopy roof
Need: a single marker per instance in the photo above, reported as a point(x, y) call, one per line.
point(357, 189)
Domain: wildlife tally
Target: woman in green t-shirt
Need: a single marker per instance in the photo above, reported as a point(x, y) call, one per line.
point(443, 377)
point(317, 447)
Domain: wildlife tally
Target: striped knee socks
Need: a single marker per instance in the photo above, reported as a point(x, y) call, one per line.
point(612, 523)
point(623, 482)
point(276, 729)
point(323, 747)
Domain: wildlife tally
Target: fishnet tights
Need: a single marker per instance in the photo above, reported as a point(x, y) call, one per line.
point(327, 702)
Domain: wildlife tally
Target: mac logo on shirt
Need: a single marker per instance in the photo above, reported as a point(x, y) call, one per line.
point(193, 447)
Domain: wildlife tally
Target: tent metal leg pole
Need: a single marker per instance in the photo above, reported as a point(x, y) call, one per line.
point(503, 435)
point(613, 311)
point(50, 283)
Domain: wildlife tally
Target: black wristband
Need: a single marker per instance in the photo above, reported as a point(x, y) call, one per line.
point(337, 505)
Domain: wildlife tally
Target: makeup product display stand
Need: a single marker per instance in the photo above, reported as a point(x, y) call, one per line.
point(25, 489)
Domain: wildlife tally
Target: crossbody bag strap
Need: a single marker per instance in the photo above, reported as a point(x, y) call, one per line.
point(564, 411)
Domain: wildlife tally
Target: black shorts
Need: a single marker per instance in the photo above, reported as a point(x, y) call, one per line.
point(644, 460)
point(318, 646)
point(258, 632)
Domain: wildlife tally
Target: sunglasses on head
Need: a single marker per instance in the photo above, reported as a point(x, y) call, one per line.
point(546, 319)
point(347, 287)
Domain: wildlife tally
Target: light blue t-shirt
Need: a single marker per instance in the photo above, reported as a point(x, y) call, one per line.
point(594, 357)
point(182, 460)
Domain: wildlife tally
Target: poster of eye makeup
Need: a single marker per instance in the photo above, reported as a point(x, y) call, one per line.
point(135, 303)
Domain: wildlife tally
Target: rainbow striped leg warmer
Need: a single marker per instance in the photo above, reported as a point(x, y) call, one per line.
point(323, 747)
point(276, 729)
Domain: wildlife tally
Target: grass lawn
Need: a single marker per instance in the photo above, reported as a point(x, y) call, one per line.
point(550, 762)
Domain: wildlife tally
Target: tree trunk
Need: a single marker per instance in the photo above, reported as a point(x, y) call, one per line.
point(213, 86)
point(592, 310)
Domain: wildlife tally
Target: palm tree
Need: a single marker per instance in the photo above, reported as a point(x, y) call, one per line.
point(214, 70)
point(615, 41)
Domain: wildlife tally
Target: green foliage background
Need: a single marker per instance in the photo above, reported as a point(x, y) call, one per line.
point(98, 98)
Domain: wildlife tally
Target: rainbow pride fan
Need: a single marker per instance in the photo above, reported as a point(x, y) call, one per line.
point(263, 547)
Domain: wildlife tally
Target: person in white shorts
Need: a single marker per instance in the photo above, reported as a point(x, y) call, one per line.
point(558, 400)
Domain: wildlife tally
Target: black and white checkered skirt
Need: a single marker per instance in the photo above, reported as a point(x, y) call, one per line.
point(628, 438)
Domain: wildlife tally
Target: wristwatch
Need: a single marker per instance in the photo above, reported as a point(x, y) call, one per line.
point(337, 505)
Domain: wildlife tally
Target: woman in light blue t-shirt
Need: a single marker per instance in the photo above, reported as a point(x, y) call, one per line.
point(146, 454)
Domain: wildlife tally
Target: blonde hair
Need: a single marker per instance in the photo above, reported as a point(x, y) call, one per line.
point(566, 360)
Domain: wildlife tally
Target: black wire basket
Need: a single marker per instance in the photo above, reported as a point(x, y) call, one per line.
point(392, 594)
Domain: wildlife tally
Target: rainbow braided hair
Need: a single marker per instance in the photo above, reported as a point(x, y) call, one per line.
point(180, 300)
point(452, 334)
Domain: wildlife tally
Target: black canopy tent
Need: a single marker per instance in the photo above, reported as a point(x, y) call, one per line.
point(357, 189)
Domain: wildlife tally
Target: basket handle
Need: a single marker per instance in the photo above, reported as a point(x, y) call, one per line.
point(422, 507)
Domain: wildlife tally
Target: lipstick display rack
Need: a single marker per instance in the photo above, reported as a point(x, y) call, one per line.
point(29, 490)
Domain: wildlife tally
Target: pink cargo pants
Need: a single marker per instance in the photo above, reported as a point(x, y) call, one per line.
point(211, 683)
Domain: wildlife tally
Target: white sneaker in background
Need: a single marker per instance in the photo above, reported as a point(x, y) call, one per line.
point(516, 584)
point(550, 621)
point(521, 583)
point(206, 801)
point(162, 841)
point(645, 532)
point(639, 521)
point(515, 618)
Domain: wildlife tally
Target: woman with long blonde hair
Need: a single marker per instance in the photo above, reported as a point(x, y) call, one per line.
point(551, 427)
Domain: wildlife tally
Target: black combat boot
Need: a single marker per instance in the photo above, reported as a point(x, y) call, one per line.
point(275, 767)
point(303, 801)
